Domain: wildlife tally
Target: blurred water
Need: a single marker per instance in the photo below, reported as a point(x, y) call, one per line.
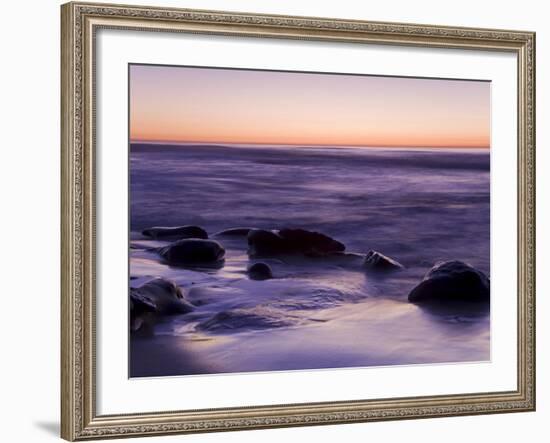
point(417, 206)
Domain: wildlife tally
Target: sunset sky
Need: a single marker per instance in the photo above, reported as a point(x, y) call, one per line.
point(207, 105)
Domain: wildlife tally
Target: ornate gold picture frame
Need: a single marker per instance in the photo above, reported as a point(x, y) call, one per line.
point(80, 23)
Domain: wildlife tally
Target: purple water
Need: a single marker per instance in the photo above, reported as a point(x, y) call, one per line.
point(416, 206)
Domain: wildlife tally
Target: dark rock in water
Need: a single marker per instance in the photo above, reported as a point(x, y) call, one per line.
point(245, 319)
point(263, 242)
point(175, 232)
point(234, 232)
point(140, 303)
point(166, 296)
point(452, 281)
point(310, 241)
point(160, 286)
point(142, 311)
point(193, 252)
point(377, 261)
point(292, 241)
point(260, 271)
point(156, 297)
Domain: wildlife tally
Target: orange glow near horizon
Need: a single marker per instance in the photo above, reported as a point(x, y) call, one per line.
point(209, 105)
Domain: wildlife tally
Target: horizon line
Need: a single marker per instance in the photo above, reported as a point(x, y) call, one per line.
point(210, 143)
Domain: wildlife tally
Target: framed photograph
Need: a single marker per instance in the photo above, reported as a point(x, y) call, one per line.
point(277, 221)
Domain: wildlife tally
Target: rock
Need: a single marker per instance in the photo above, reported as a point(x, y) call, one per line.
point(175, 232)
point(260, 271)
point(310, 241)
point(452, 281)
point(234, 232)
point(377, 261)
point(263, 242)
point(155, 298)
point(166, 296)
point(292, 241)
point(246, 319)
point(142, 311)
point(193, 252)
point(139, 303)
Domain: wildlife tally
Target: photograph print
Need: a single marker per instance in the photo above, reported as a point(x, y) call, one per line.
point(284, 220)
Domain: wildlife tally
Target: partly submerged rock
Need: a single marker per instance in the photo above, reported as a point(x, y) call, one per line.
point(377, 261)
point(155, 298)
point(246, 319)
point(140, 303)
point(234, 232)
point(166, 296)
point(310, 241)
point(263, 242)
point(193, 252)
point(142, 311)
point(260, 271)
point(175, 232)
point(292, 241)
point(452, 281)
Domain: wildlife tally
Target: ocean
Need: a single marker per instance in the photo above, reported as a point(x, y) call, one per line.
point(417, 206)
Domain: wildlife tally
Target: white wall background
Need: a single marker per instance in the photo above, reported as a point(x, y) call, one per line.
point(29, 218)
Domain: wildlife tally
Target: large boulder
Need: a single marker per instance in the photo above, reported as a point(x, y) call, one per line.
point(193, 252)
point(452, 281)
point(310, 242)
point(175, 232)
point(376, 261)
point(292, 241)
point(260, 271)
point(165, 295)
point(263, 242)
point(155, 298)
point(234, 232)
